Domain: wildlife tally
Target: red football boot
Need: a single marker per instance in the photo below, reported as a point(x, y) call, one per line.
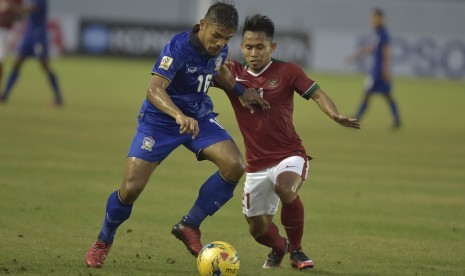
point(190, 236)
point(97, 254)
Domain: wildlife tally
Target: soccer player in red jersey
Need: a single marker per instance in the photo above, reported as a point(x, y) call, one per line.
point(8, 15)
point(277, 163)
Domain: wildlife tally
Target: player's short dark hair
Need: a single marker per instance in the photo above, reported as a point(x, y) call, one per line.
point(378, 12)
point(223, 13)
point(259, 23)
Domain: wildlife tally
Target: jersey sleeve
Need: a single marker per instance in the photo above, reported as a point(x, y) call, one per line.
point(169, 61)
point(302, 84)
point(230, 64)
point(225, 54)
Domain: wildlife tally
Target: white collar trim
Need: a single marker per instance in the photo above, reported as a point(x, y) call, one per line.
point(261, 72)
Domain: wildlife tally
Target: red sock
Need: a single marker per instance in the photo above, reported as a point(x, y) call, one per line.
point(272, 239)
point(292, 218)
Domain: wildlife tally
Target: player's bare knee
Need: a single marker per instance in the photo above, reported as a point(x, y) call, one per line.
point(233, 169)
point(388, 98)
point(238, 168)
point(257, 229)
point(130, 191)
point(287, 193)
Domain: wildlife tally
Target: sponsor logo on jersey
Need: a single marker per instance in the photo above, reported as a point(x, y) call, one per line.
point(192, 70)
point(273, 83)
point(218, 62)
point(148, 143)
point(165, 62)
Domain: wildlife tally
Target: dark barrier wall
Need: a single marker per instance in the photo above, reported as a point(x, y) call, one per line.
point(139, 39)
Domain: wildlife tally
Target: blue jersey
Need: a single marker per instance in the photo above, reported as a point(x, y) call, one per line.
point(35, 41)
point(382, 40)
point(190, 70)
point(37, 20)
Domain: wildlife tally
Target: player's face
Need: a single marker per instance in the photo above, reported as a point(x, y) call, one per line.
point(257, 49)
point(376, 20)
point(214, 36)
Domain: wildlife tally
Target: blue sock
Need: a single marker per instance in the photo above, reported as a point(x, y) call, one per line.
point(116, 213)
point(362, 109)
point(213, 194)
point(10, 83)
point(56, 89)
point(395, 112)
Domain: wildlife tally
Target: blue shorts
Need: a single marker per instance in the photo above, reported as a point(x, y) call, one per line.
point(154, 143)
point(377, 85)
point(34, 45)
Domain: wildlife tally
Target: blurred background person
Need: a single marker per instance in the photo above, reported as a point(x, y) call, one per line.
point(379, 79)
point(34, 44)
point(8, 15)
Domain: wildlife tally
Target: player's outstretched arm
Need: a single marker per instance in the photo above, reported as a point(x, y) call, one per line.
point(248, 97)
point(327, 106)
point(157, 95)
point(364, 51)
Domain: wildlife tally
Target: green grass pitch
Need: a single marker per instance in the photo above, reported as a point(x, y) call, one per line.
point(378, 202)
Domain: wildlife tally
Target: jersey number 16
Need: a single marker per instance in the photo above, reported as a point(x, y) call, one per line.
point(204, 82)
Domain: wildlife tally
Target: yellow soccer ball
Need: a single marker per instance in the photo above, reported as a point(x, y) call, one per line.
point(218, 258)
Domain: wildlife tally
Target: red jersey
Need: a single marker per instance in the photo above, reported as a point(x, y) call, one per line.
point(270, 136)
point(7, 15)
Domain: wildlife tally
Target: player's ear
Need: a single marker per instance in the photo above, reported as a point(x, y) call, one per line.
point(203, 23)
point(273, 47)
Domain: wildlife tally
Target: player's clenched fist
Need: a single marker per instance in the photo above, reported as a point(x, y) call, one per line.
point(187, 125)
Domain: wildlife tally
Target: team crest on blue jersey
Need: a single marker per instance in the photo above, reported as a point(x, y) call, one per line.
point(165, 62)
point(148, 143)
point(218, 62)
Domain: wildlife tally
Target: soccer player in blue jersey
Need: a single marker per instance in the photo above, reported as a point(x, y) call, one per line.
point(34, 43)
point(178, 111)
point(379, 80)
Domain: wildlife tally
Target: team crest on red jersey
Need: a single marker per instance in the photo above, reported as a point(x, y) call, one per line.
point(273, 83)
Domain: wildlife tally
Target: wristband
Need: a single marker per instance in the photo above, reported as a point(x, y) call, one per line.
point(238, 89)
